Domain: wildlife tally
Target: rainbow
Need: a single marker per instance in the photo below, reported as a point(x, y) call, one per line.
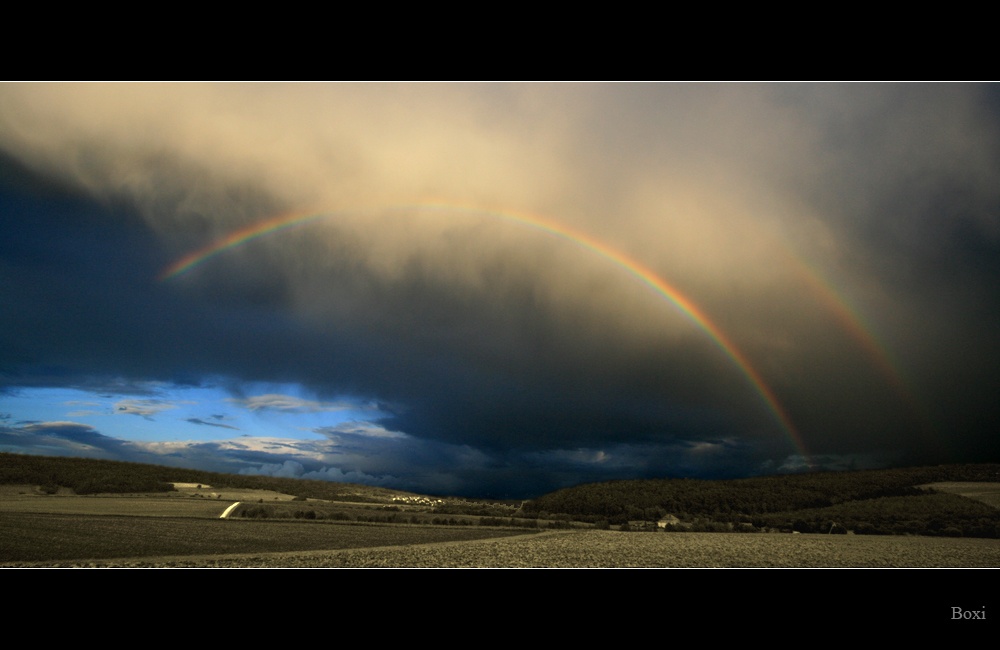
point(550, 227)
point(234, 239)
point(854, 323)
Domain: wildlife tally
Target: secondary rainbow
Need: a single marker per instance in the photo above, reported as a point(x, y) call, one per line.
point(855, 324)
point(553, 228)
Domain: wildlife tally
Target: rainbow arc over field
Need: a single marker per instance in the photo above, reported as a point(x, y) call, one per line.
point(549, 227)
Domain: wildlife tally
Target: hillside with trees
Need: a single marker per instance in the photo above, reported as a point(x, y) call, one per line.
point(887, 501)
point(93, 476)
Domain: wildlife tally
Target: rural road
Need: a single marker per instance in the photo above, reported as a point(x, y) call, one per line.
point(228, 510)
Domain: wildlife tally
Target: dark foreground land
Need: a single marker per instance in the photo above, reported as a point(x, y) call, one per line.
point(177, 531)
point(611, 549)
point(66, 513)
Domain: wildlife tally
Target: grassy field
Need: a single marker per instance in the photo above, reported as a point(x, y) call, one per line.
point(187, 501)
point(110, 540)
point(988, 493)
point(38, 529)
point(387, 546)
point(612, 549)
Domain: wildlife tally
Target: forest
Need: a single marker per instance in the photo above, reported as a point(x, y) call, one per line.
point(889, 501)
point(93, 476)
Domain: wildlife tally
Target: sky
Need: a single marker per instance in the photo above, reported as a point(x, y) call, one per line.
point(501, 289)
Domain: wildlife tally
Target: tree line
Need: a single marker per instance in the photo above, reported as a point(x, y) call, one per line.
point(867, 502)
point(91, 476)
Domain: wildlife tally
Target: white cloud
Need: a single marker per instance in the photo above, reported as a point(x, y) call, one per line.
point(276, 402)
point(142, 407)
point(360, 428)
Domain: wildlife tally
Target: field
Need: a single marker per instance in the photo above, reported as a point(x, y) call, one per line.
point(38, 529)
point(391, 546)
point(31, 539)
point(612, 549)
point(184, 530)
point(988, 493)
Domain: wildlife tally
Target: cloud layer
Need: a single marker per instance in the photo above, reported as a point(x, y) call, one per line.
point(509, 277)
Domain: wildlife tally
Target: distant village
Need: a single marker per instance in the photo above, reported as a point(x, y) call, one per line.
point(415, 500)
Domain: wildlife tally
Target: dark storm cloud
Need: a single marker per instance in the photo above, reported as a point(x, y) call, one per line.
point(544, 361)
